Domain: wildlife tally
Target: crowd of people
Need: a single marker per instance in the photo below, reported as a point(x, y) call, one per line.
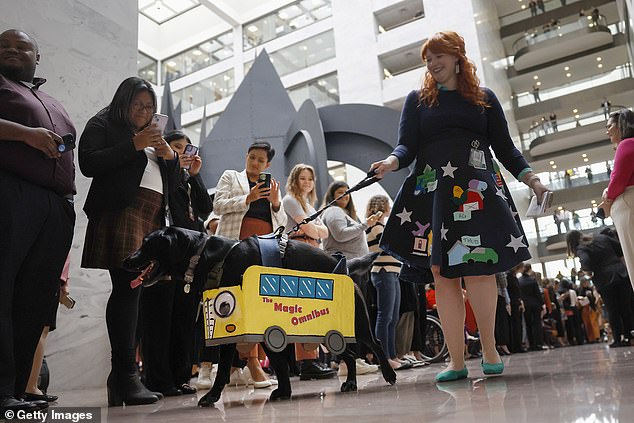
point(458, 230)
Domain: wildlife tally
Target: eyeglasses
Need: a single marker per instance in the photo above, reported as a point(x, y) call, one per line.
point(138, 107)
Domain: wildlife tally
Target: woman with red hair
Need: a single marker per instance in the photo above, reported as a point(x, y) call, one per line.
point(454, 214)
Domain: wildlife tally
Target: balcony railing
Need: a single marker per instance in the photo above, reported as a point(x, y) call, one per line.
point(548, 32)
point(522, 14)
point(620, 72)
point(542, 128)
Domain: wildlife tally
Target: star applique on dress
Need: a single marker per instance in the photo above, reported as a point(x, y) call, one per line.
point(516, 243)
point(448, 170)
point(405, 216)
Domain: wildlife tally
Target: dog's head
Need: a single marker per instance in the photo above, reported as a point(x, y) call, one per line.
point(164, 252)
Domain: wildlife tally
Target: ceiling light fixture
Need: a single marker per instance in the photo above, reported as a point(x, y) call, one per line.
point(584, 155)
point(574, 110)
point(536, 77)
point(598, 59)
point(552, 162)
point(568, 75)
point(566, 68)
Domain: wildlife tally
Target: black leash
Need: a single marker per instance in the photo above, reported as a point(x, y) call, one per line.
point(369, 179)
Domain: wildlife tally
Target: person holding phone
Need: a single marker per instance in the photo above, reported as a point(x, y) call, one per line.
point(346, 235)
point(129, 163)
point(37, 185)
point(384, 278)
point(168, 313)
point(246, 207)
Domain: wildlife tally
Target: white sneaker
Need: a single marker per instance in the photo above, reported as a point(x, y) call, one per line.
point(343, 369)
point(240, 377)
point(204, 377)
point(365, 368)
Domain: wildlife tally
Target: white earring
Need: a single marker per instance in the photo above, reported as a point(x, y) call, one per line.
point(457, 67)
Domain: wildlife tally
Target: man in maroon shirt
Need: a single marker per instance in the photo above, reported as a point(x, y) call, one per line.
point(36, 214)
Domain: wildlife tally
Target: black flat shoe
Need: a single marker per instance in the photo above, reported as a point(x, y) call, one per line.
point(187, 389)
point(38, 397)
point(15, 404)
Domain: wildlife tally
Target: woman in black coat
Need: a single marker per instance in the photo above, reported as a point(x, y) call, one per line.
point(129, 162)
point(602, 255)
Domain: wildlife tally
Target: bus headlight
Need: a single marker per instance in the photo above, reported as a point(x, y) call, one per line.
point(225, 304)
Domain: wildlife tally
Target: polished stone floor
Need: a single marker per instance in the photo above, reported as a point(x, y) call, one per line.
point(584, 384)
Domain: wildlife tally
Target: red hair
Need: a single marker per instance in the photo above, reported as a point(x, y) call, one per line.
point(449, 42)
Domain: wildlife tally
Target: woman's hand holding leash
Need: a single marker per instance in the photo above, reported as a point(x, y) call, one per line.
point(380, 168)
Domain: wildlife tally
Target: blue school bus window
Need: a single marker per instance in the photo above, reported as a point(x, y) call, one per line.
point(269, 285)
point(288, 286)
point(323, 290)
point(306, 288)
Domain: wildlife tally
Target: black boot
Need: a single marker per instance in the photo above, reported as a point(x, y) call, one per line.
point(126, 388)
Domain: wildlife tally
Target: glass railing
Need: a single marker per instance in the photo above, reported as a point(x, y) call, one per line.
point(620, 72)
point(546, 127)
point(526, 13)
point(548, 31)
point(547, 227)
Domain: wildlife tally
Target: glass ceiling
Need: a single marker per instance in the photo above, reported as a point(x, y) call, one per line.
point(161, 11)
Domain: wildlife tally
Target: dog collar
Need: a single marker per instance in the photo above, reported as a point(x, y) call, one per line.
point(193, 263)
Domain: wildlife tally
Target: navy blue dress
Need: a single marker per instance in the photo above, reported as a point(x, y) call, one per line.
point(454, 210)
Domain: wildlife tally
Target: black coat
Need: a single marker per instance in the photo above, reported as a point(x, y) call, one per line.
point(531, 295)
point(107, 154)
point(186, 192)
point(603, 257)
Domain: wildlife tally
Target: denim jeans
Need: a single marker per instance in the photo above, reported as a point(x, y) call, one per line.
point(388, 299)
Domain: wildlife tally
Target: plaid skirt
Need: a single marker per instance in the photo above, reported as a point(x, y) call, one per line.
point(112, 235)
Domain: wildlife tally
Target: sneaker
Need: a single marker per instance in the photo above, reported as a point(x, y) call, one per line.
point(240, 377)
point(365, 368)
point(413, 361)
point(343, 369)
point(204, 376)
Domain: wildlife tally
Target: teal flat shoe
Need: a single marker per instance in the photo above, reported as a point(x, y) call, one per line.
point(450, 375)
point(492, 368)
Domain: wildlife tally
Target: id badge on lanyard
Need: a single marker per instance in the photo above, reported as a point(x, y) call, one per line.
point(476, 156)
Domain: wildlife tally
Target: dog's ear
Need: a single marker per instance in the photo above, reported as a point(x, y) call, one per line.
point(361, 265)
point(217, 248)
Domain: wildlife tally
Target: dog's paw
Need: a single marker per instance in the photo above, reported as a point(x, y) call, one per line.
point(209, 399)
point(389, 374)
point(349, 386)
point(279, 395)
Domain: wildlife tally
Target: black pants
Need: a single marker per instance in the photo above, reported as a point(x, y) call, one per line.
point(534, 330)
point(574, 328)
point(122, 315)
point(420, 319)
point(618, 300)
point(502, 329)
point(37, 230)
point(168, 317)
point(516, 328)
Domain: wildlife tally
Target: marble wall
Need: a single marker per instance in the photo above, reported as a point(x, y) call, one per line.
point(87, 48)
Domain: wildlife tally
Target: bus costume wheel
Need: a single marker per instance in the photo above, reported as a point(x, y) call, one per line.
point(275, 338)
point(335, 342)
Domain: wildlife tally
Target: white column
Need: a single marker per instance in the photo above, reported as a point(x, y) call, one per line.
point(360, 75)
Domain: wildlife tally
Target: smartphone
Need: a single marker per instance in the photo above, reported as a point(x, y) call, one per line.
point(68, 143)
point(190, 150)
point(266, 178)
point(600, 213)
point(160, 121)
point(67, 301)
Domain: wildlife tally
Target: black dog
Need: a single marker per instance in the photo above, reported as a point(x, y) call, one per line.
point(168, 251)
